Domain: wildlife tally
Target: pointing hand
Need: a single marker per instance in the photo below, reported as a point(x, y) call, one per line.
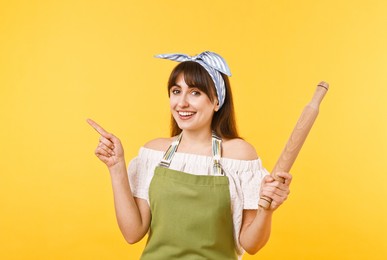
point(109, 149)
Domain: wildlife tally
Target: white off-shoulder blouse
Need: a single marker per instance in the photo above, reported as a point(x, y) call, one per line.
point(244, 178)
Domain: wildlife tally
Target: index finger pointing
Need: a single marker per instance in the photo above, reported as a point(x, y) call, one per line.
point(98, 128)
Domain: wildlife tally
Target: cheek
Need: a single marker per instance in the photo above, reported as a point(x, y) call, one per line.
point(210, 106)
point(208, 109)
point(210, 113)
point(172, 102)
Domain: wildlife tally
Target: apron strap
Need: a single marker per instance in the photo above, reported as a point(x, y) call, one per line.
point(216, 153)
point(167, 158)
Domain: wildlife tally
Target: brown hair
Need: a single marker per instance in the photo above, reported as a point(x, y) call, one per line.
point(223, 121)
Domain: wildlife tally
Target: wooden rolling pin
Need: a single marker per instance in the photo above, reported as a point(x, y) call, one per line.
point(297, 138)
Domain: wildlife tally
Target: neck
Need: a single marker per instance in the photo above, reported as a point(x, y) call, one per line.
point(196, 142)
point(194, 137)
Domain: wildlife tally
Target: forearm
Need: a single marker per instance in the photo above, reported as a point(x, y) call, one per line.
point(255, 235)
point(256, 225)
point(128, 214)
point(133, 215)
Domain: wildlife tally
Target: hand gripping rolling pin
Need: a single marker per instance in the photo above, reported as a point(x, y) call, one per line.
point(297, 138)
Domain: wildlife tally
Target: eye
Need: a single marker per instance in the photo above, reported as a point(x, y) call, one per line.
point(175, 91)
point(196, 92)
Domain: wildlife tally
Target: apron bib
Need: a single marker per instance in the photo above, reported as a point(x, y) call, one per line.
point(191, 214)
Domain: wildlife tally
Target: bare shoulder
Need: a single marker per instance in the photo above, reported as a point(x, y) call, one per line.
point(238, 149)
point(159, 144)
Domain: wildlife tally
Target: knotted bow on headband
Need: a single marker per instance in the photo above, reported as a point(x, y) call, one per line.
point(212, 62)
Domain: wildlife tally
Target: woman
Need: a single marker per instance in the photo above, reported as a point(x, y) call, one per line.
point(197, 192)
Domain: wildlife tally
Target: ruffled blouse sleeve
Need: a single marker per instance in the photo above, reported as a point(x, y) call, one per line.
point(141, 170)
point(247, 177)
point(251, 184)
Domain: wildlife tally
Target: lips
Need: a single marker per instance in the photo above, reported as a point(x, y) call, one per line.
point(185, 114)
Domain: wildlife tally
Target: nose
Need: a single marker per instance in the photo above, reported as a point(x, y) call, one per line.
point(183, 101)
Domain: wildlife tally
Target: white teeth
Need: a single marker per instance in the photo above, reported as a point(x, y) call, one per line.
point(182, 113)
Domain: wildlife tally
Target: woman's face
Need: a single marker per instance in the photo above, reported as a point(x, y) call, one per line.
point(191, 108)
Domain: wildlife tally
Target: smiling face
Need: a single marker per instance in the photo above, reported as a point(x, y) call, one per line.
point(195, 76)
point(191, 108)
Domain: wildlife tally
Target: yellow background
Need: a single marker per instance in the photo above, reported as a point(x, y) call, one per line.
point(64, 61)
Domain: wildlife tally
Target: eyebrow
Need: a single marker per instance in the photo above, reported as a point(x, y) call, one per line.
point(177, 85)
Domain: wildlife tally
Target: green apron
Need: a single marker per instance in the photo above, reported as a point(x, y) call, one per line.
point(191, 214)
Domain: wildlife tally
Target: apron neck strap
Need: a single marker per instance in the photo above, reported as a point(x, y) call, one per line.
point(168, 155)
point(216, 153)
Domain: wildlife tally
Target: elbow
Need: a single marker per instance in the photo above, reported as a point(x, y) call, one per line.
point(253, 248)
point(132, 240)
point(252, 251)
point(133, 237)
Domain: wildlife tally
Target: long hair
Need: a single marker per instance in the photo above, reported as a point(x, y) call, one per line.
point(223, 122)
